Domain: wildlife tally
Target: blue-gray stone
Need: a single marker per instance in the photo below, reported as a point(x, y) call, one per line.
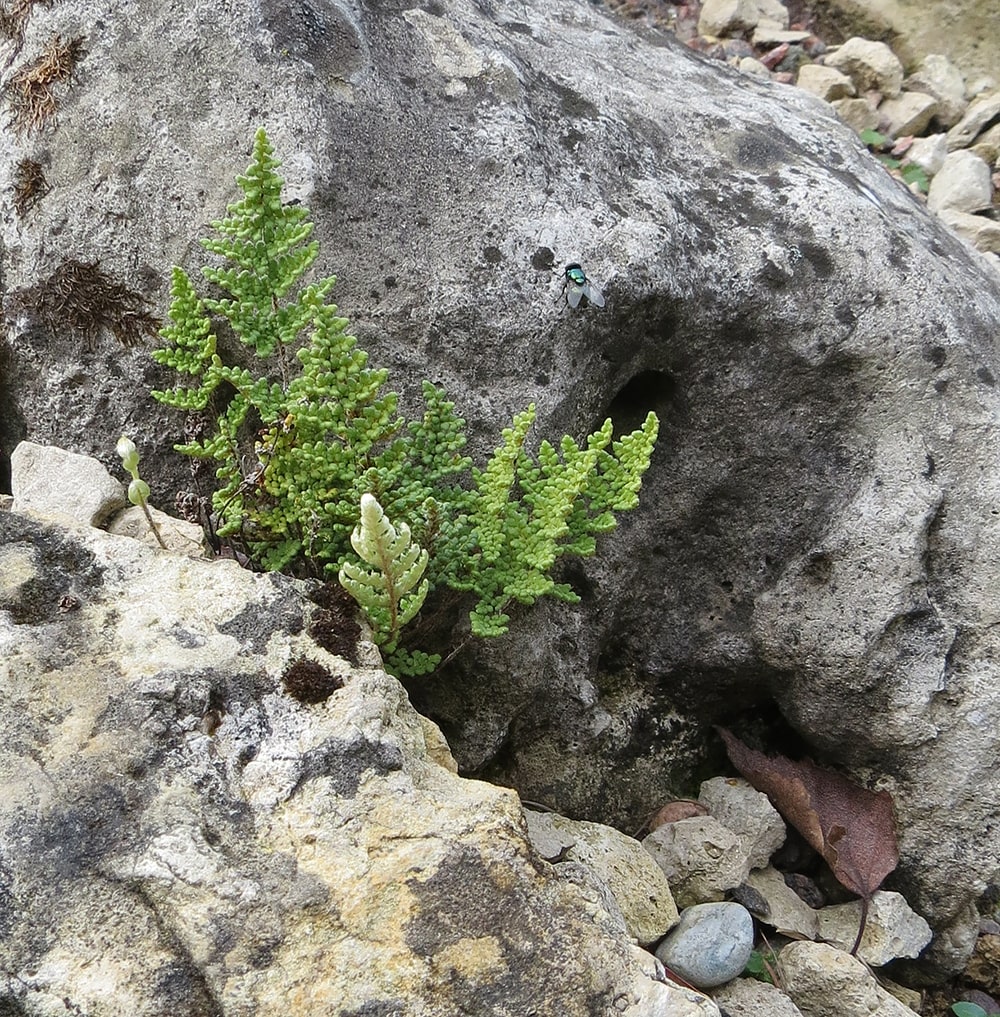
point(710, 945)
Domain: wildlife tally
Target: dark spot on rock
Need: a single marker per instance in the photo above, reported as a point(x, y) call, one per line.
point(543, 259)
point(189, 640)
point(936, 355)
point(60, 568)
point(985, 375)
point(335, 626)
point(377, 1008)
point(571, 103)
point(929, 472)
point(345, 761)
point(257, 622)
point(648, 390)
point(317, 31)
point(757, 149)
point(492, 255)
point(818, 568)
point(310, 682)
point(389, 282)
point(571, 139)
point(819, 257)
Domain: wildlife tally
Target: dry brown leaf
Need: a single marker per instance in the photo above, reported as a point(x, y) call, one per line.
point(854, 829)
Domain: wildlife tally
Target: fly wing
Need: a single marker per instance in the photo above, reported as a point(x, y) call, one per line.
point(573, 294)
point(593, 294)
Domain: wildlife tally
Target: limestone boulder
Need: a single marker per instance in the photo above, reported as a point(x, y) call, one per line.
point(817, 538)
point(871, 65)
point(215, 802)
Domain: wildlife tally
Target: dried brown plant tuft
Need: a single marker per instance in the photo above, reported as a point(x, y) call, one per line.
point(14, 18)
point(29, 92)
point(30, 186)
point(310, 682)
point(82, 297)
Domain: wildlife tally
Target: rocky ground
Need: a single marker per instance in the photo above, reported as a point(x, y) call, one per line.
point(937, 128)
point(785, 47)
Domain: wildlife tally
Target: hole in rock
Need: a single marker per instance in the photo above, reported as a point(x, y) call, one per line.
point(648, 390)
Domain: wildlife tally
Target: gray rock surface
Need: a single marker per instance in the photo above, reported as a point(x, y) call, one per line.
point(823, 981)
point(710, 945)
point(634, 879)
point(181, 836)
point(748, 813)
point(788, 913)
point(701, 858)
point(891, 931)
point(816, 537)
point(51, 481)
point(746, 997)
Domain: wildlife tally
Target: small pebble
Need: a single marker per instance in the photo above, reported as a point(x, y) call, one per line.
point(710, 945)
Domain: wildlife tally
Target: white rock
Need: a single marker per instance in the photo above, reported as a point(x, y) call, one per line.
point(710, 945)
point(987, 146)
point(789, 913)
point(50, 481)
point(939, 77)
point(748, 813)
point(747, 997)
point(906, 113)
point(653, 995)
point(773, 11)
point(823, 981)
point(980, 114)
point(768, 34)
point(981, 232)
point(981, 85)
point(750, 65)
point(702, 859)
point(963, 183)
point(870, 65)
point(178, 534)
point(637, 883)
point(856, 113)
point(727, 17)
point(893, 928)
point(928, 153)
point(826, 82)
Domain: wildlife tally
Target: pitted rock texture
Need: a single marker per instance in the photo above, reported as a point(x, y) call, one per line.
point(178, 835)
point(818, 533)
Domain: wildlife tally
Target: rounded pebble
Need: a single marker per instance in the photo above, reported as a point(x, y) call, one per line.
point(710, 945)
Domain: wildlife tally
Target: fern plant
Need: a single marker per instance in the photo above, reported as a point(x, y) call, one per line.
point(393, 589)
point(318, 472)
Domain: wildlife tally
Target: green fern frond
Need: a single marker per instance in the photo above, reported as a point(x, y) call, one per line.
point(393, 589)
point(296, 455)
